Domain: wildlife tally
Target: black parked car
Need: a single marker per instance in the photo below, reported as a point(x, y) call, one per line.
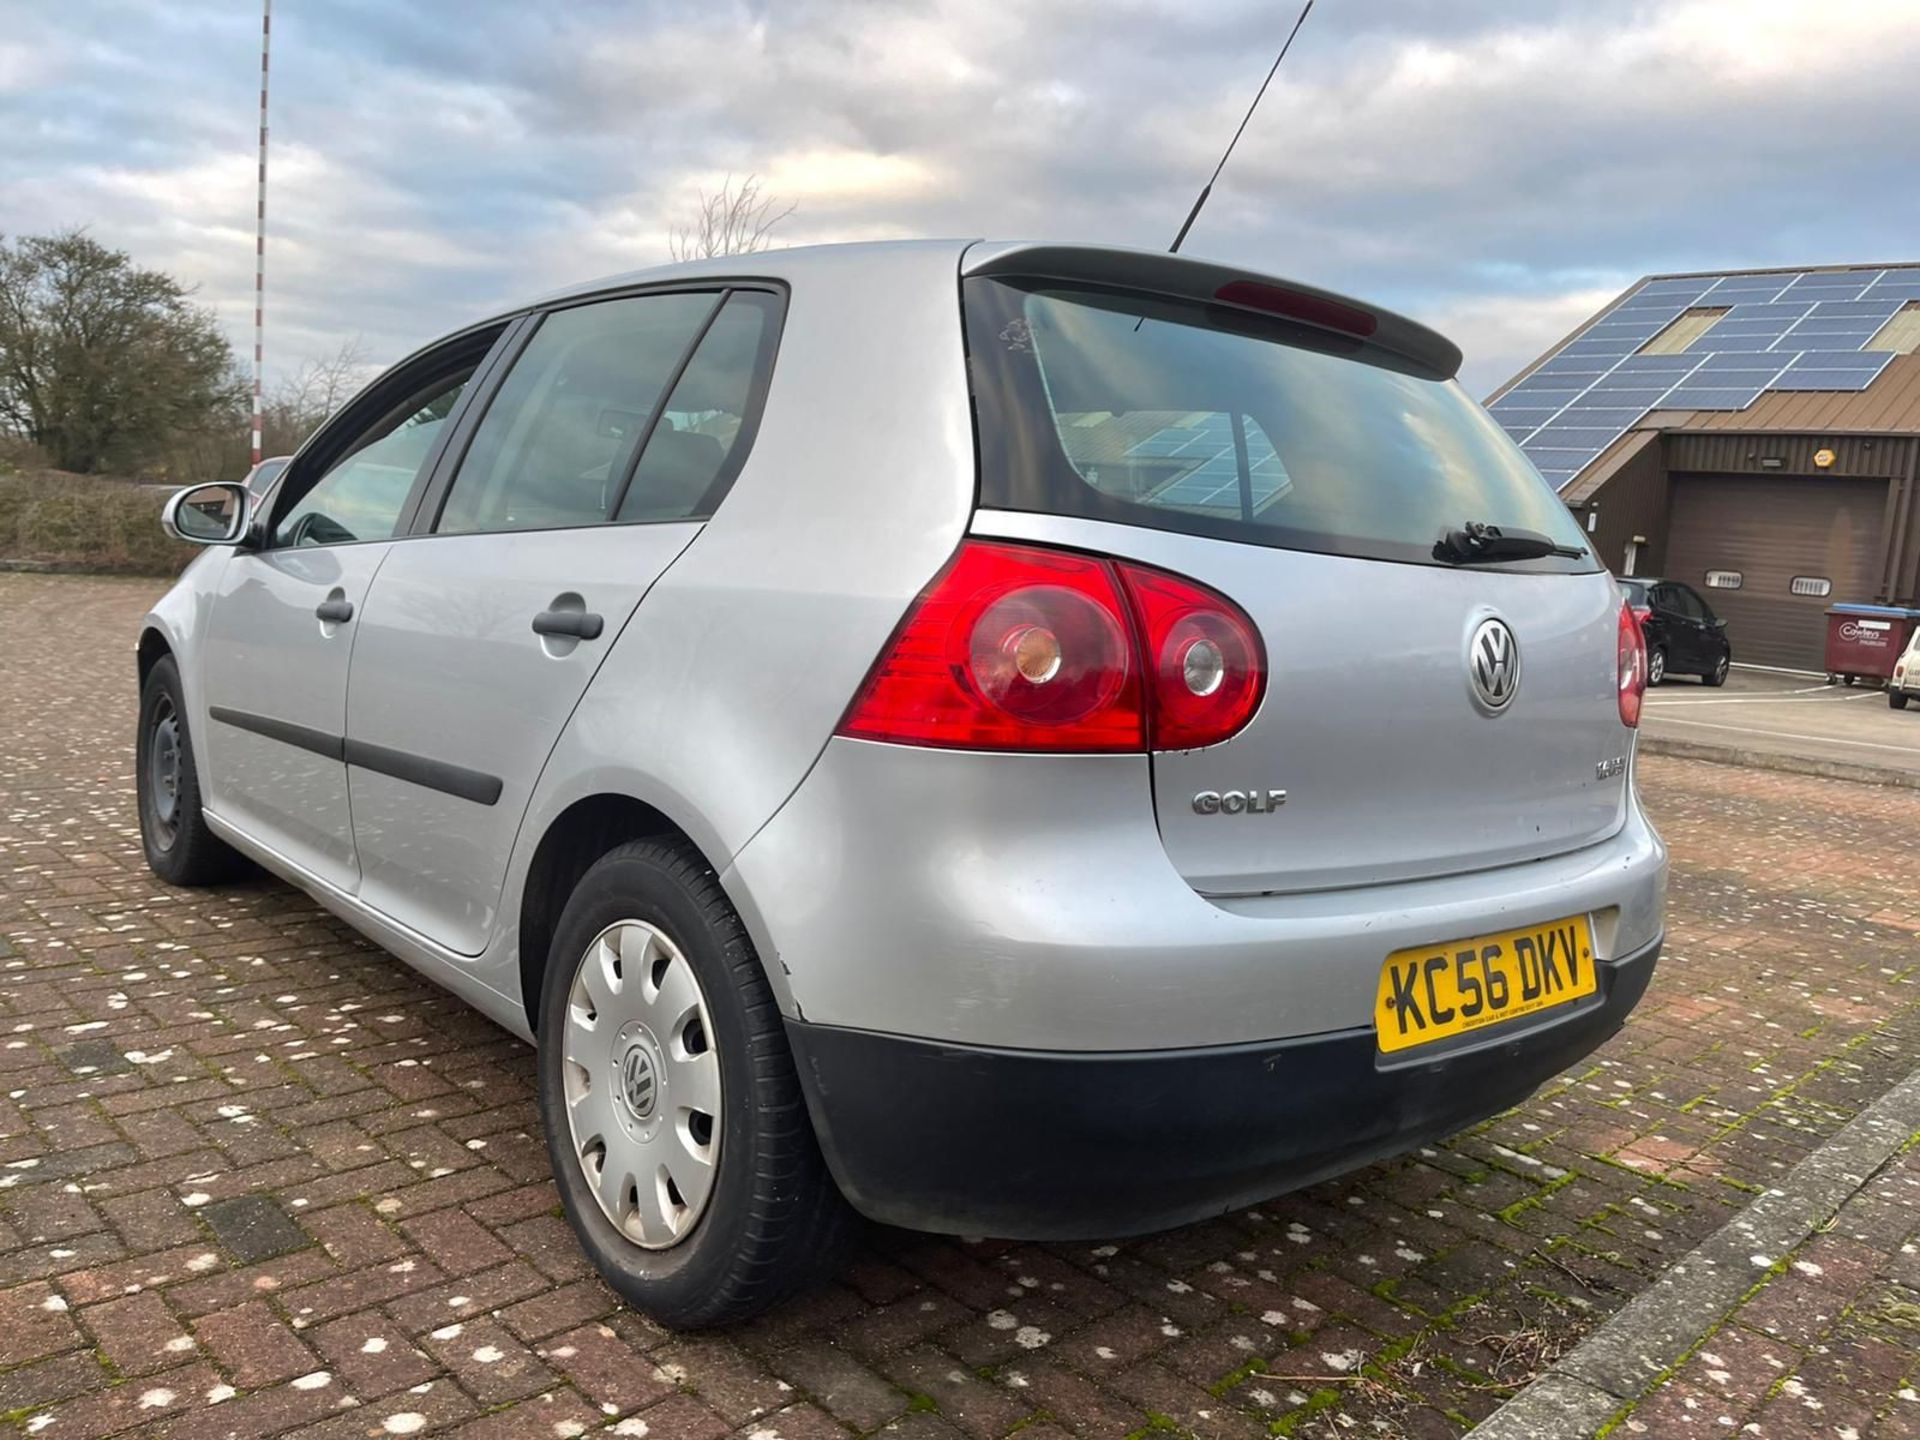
point(1683, 633)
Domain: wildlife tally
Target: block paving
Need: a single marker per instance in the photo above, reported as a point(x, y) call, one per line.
point(257, 1179)
point(1823, 1345)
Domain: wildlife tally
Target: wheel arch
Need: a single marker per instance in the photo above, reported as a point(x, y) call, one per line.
point(152, 647)
point(573, 840)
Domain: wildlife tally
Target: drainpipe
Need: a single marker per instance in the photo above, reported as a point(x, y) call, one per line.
point(1898, 591)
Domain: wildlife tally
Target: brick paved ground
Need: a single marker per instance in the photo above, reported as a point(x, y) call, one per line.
point(256, 1179)
point(1825, 1344)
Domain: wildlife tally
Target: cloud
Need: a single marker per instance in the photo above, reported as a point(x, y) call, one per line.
point(1493, 168)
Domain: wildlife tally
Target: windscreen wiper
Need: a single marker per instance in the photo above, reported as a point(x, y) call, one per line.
point(1476, 543)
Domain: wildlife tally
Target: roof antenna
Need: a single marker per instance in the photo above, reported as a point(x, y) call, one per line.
point(1207, 189)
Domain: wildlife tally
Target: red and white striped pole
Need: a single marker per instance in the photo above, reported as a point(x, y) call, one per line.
point(260, 234)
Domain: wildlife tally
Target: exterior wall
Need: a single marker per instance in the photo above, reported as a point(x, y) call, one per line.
point(1633, 501)
point(1636, 499)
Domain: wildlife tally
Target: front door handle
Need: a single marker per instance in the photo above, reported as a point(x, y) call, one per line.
point(334, 610)
point(578, 624)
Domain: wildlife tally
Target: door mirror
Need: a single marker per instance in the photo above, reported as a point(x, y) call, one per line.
point(207, 514)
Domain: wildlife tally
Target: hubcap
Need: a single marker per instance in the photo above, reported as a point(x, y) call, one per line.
point(642, 1084)
point(1657, 669)
point(163, 772)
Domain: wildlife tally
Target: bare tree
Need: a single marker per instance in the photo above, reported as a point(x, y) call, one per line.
point(735, 220)
point(301, 401)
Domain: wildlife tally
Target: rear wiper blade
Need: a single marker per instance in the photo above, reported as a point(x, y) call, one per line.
point(1477, 543)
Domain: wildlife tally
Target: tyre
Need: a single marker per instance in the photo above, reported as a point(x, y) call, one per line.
point(180, 848)
point(1897, 699)
point(678, 1133)
point(1717, 676)
point(1657, 667)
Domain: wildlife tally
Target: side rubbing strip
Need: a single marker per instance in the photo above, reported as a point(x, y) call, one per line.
point(472, 785)
point(481, 789)
point(285, 731)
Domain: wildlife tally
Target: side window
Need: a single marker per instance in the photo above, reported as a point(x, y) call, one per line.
point(362, 493)
point(704, 431)
point(1688, 603)
point(557, 437)
point(1697, 607)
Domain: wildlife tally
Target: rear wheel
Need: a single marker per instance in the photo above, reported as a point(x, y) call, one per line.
point(1718, 675)
point(674, 1120)
point(1657, 667)
point(173, 829)
point(1897, 699)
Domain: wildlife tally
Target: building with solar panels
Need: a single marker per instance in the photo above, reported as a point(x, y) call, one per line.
point(1755, 434)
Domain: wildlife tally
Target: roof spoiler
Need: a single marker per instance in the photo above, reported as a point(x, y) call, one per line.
point(1188, 279)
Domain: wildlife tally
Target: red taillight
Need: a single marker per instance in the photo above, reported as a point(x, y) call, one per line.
point(1205, 666)
point(1013, 647)
point(1632, 666)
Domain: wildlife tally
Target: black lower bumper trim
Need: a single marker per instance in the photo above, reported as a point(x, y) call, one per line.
point(1058, 1145)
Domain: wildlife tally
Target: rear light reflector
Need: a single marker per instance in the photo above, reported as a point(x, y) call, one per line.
point(1294, 305)
point(1632, 666)
point(1016, 647)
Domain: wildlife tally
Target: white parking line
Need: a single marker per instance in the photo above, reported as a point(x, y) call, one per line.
point(1913, 749)
point(1785, 697)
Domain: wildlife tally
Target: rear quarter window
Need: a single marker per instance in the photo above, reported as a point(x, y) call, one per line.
point(1206, 419)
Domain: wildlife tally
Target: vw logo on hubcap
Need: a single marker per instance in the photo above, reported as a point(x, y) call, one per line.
point(1493, 665)
point(637, 1084)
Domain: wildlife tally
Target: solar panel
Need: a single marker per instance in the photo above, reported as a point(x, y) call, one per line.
point(1861, 325)
point(1578, 437)
point(1639, 306)
point(1824, 292)
point(1824, 379)
point(1684, 285)
point(1564, 364)
point(1709, 397)
point(1766, 310)
point(1620, 417)
point(1713, 342)
point(1643, 395)
point(1617, 346)
point(1768, 363)
point(1655, 364)
point(1834, 309)
point(1569, 461)
point(1875, 360)
point(1792, 330)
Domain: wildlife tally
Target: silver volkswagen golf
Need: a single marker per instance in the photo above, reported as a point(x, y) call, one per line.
point(1032, 740)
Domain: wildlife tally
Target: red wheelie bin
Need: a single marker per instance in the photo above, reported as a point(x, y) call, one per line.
point(1863, 641)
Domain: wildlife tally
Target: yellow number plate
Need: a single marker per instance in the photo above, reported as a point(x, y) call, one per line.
point(1435, 991)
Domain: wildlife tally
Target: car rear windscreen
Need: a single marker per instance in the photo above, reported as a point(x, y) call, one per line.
point(1214, 421)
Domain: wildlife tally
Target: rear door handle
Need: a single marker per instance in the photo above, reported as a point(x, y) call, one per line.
point(580, 624)
point(334, 611)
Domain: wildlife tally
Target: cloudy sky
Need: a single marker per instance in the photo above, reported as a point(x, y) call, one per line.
point(1495, 167)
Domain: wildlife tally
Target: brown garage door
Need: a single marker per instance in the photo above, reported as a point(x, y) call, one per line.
point(1768, 531)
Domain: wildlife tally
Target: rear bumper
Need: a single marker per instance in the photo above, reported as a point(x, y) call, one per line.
point(1026, 902)
point(1029, 1144)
